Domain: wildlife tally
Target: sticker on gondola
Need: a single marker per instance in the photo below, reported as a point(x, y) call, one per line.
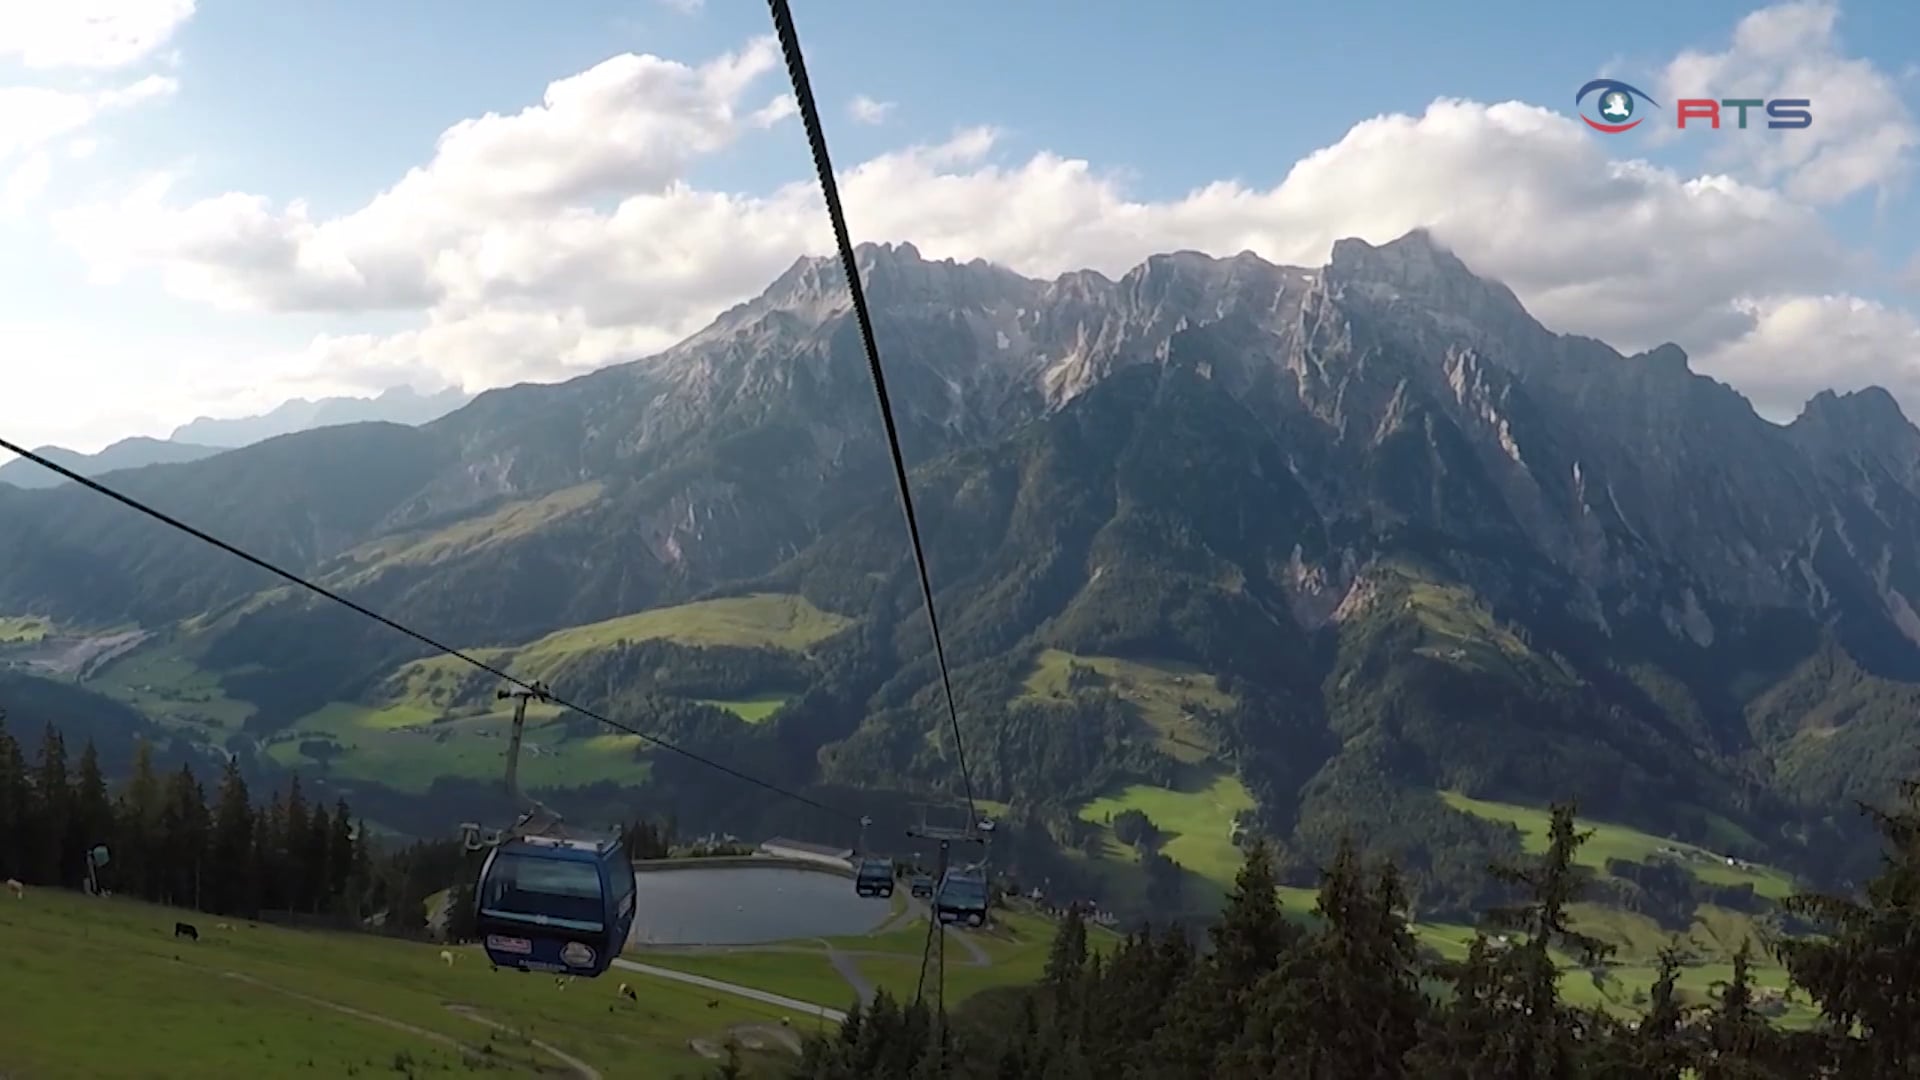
point(517, 945)
point(577, 954)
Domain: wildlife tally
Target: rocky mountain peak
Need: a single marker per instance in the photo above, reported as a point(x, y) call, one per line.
point(1416, 275)
point(1863, 425)
point(1869, 410)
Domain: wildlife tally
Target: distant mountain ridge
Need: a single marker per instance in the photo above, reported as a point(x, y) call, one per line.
point(207, 436)
point(400, 405)
point(126, 454)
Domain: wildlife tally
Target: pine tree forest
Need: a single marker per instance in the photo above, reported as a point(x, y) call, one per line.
point(1351, 995)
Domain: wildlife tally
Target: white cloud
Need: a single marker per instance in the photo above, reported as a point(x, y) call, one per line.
point(868, 111)
point(25, 184)
point(1801, 345)
point(685, 7)
point(1625, 251)
point(1863, 135)
point(97, 34)
point(780, 108)
point(567, 236)
point(467, 223)
point(32, 115)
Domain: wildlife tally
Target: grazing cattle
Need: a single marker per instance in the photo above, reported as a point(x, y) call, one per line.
point(627, 992)
point(222, 926)
point(713, 1003)
point(185, 930)
point(18, 890)
point(447, 956)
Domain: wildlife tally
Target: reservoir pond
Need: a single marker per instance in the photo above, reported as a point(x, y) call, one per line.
point(749, 905)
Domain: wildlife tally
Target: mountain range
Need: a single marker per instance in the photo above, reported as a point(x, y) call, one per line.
point(126, 454)
point(1317, 549)
point(206, 436)
point(399, 405)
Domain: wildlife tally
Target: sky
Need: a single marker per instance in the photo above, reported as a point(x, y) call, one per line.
point(209, 207)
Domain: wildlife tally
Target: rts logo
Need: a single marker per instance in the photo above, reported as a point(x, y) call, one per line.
point(1617, 107)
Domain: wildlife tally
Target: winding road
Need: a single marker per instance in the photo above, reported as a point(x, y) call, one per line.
point(748, 992)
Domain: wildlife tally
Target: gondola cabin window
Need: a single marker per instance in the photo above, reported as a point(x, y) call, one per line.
point(559, 892)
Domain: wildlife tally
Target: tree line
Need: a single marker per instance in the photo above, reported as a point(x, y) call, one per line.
point(1353, 994)
point(169, 843)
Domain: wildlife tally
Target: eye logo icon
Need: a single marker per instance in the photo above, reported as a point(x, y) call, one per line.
point(1615, 105)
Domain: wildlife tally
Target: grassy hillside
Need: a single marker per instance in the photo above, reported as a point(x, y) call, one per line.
point(773, 619)
point(23, 629)
point(1164, 692)
point(1631, 845)
point(1196, 820)
point(253, 1000)
point(435, 717)
point(1195, 814)
point(500, 527)
point(164, 680)
point(1014, 949)
point(1457, 628)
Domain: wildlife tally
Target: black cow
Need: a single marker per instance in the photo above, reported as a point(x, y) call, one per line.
point(185, 930)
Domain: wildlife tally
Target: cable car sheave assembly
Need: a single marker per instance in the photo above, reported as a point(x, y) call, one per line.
point(548, 902)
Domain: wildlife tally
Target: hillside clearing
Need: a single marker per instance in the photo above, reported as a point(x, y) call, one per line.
point(406, 748)
point(417, 733)
point(1197, 821)
point(513, 521)
point(774, 620)
point(752, 709)
point(1165, 693)
point(164, 681)
point(1621, 842)
point(23, 629)
point(175, 1009)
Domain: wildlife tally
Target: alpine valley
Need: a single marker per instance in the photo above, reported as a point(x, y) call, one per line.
point(1219, 548)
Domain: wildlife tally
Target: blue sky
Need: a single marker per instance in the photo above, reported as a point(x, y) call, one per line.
point(256, 273)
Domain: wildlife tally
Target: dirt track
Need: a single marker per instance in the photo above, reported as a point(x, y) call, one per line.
point(580, 1068)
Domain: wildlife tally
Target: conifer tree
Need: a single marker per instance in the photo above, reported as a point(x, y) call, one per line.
point(1346, 1001)
point(1740, 1046)
point(1210, 1009)
point(231, 866)
point(340, 858)
point(136, 815)
point(53, 863)
point(1864, 967)
point(1067, 959)
point(16, 807)
point(91, 819)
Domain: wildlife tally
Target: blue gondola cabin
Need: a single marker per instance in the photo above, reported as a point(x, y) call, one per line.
point(962, 898)
point(556, 905)
point(874, 877)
